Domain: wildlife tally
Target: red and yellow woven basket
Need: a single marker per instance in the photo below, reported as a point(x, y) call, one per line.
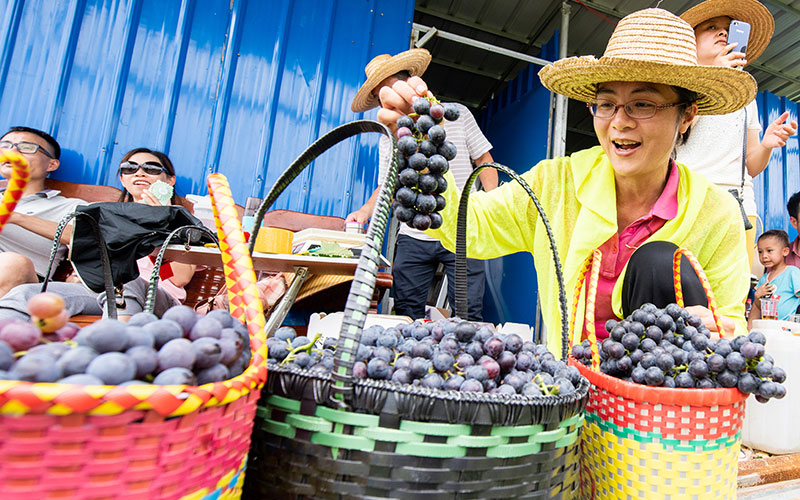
point(142, 441)
point(654, 442)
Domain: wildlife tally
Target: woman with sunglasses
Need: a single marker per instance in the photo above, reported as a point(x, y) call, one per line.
point(139, 169)
point(627, 197)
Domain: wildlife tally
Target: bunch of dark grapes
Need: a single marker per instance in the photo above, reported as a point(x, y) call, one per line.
point(424, 157)
point(180, 348)
point(672, 348)
point(446, 354)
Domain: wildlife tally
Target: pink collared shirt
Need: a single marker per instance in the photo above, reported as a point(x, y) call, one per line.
point(793, 259)
point(619, 248)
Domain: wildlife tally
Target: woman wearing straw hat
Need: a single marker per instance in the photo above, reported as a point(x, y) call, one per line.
point(625, 197)
point(724, 163)
point(417, 256)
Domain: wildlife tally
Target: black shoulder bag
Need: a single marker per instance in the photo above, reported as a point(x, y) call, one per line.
point(739, 193)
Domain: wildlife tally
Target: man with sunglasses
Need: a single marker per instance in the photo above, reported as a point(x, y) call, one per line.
point(27, 238)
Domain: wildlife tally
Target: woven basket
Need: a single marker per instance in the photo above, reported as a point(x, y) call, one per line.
point(655, 442)
point(140, 441)
point(331, 436)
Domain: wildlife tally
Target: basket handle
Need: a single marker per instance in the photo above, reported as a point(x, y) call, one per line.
point(16, 185)
point(243, 297)
point(321, 145)
point(698, 269)
point(461, 249)
point(105, 261)
point(592, 263)
point(152, 287)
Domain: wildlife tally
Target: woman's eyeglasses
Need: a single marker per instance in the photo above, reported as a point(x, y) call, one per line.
point(149, 167)
point(639, 108)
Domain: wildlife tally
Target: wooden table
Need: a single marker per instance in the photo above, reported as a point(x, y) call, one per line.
point(300, 265)
point(276, 263)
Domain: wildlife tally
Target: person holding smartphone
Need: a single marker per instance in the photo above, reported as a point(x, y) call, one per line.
point(726, 148)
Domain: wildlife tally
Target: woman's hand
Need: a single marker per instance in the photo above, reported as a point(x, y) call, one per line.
point(705, 314)
point(762, 291)
point(730, 58)
point(149, 198)
point(778, 132)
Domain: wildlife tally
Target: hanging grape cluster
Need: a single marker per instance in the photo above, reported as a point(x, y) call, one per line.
point(423, 161)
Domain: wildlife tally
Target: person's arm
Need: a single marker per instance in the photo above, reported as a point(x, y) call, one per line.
point(488, 177)
point(43, 227)
point(363, 214)
point(181, 273)
point(758, 152)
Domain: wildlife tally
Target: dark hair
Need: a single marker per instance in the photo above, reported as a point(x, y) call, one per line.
point(162, 158)
point(44, 135)
point(778, 234)
point(402, 75)
point(686, 97)
point(793, 204)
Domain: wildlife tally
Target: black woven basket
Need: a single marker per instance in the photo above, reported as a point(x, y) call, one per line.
point(320, 435)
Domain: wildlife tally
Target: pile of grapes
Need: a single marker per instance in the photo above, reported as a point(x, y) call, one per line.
point(180, 348)
point(424, 159)
point(446, 354)
point(671, 348)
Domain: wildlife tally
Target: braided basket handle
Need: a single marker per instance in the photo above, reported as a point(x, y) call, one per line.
point(461, 249)
point(676, 276)
point(592, 263)
point(152, 286)
point(16, 184)
point(357, 305)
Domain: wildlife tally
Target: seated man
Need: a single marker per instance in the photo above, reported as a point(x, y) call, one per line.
point(27, 238)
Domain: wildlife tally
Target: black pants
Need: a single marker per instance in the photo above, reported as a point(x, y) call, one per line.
point(415, 264)
point(649, 279)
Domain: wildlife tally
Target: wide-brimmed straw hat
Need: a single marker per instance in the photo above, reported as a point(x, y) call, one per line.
point(654, 46)
point(750, 11)
point(415, 61)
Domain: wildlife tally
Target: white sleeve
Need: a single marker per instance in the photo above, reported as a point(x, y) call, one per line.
point(477, 143)
point(753, 122)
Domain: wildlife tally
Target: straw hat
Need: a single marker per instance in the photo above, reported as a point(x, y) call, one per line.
point(750, 11)
point(655, 46)
point(415, 61)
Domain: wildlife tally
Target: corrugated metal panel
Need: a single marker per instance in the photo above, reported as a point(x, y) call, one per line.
point(516, 123)
point(240, 87)
point(781, 179)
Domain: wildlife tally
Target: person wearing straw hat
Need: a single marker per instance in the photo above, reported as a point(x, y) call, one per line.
point(725, 163)
point(417, 256)
point(626, 197)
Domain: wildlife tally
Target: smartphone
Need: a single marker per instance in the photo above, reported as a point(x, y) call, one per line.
point(739, 32)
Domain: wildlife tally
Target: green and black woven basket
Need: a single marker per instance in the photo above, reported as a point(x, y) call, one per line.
point(330, 436)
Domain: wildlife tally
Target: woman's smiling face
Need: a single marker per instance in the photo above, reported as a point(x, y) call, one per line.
point(140, 181)
point(640, 146)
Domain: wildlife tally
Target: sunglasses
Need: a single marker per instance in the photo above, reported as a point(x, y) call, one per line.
point(149, 167)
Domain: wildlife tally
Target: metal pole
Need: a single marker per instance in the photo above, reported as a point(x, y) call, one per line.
point(482, 45)
point(560, 118)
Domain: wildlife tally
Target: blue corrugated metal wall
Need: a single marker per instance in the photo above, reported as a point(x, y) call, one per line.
point(782, 177)
point(516, 123)
point(240, 87)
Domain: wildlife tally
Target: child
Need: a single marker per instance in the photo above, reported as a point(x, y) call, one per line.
point(780, 280)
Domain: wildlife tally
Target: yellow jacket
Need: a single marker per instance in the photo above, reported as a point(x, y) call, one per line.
point(578, 196)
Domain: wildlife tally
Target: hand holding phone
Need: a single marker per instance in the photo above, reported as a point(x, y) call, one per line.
point(739, 33)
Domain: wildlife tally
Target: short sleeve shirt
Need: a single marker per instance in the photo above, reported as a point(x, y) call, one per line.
point(46, 205)
point(470, 144)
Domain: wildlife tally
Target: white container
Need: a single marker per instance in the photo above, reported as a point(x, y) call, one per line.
point(772, 427)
